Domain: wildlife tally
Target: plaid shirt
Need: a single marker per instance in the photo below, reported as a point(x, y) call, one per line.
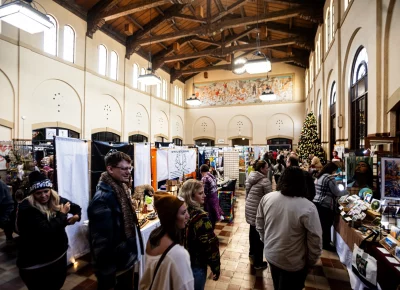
point(326, 191)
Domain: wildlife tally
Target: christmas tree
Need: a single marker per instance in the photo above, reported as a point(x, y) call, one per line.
point(309, 142)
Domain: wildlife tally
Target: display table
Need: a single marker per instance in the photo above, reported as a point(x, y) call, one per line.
point(145, 231)
point(345, 238)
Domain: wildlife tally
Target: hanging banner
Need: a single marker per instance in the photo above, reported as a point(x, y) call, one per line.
point(142, 164)
point(5, 148)
point(181, 162)
point(162, 165)
point(99, 151)
point(73, 183)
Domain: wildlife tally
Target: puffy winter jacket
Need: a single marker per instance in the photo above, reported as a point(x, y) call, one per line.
point(257, 185)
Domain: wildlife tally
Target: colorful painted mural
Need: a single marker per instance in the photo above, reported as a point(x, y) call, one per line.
point(244, 91)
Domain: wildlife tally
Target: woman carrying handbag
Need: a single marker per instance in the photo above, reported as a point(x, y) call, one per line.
point(167, 263)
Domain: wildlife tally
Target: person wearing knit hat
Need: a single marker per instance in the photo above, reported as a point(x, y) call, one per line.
point(43, 242)
point(167, 262)
point(200, 239)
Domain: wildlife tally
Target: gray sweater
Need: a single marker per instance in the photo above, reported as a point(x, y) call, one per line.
point(257, 185)
point(291, 231)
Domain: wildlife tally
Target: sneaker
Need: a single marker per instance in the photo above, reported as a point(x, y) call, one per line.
point(262, 266)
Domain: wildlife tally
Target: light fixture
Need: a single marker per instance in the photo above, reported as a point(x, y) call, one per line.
point(243, 138)
point(239, 66)
point(267, 96)
point(193, 100)
point(258, 66)
point(149, 78)
point(21, 14)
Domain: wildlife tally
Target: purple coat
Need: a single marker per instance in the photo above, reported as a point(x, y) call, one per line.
point(211, 202)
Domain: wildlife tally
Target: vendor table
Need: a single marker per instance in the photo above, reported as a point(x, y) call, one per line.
point(345, 238)
point(145, 231)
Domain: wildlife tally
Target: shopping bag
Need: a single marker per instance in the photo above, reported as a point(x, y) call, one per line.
point(364, 267)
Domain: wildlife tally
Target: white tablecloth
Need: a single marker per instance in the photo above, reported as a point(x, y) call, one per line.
point(145, 231)
point(345, 256)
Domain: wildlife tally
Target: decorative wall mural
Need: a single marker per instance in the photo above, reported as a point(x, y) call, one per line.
point(244, 91)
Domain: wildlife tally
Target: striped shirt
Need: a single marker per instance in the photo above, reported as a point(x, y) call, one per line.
point(326, 191)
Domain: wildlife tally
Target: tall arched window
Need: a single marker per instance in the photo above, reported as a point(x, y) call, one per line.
point(328, 28)
point(158, 90)
point(113, 65)
point(312, 106)
point(306, 82)
point(320, 118)
point(69, 43)
point(102, 60)
point(333, 18)
point(180, 97)
point(142, 85)
point(50, 37)
point(332, 108)
point(135, 75)
point(318, 54)
point(176, 95)
point(359, 99)
point(311, 71)
point(165, 89)
point(346, 4)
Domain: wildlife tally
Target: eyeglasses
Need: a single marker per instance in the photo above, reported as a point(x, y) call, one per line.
point(124, 168)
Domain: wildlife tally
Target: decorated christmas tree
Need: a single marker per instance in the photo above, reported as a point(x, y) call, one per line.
point(309, 142)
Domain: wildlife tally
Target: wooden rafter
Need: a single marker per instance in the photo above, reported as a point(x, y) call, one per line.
point(291, 2)
point(294, 31)
point(229, 9)
point(206, 41)
point(151, 25)
point(218, 27)
point(94, 19)
point(236, 37)
point(232, 49)
point(117, 12)
point(190, 18)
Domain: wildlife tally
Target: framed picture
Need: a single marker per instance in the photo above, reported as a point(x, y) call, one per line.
point(50, 133)
point(390, 175)
point(354, 171)
point(62, 133)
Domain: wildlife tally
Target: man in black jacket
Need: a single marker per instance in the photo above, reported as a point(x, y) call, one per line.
point(6, 208)
point(113, 226)
point(293, 160)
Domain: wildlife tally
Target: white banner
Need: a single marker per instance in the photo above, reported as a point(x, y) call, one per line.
point(73, 184)
point(5, 148)
point(181, 162)
point(162, 165)
point(142, 164)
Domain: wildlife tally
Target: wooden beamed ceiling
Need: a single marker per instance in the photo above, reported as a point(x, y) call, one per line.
point(186, 37)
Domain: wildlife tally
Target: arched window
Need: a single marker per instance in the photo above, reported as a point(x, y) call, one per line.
point(318, 54)
point(165, 89)
point(177, 141)
point(135, 75)
point(311, 71)
point(359, 99)
point(138, 138)
point(312, 106)
point(346, 4)
point(306, 82)
point(102, 60)
point(106, 137)
point(142, 85)
point(328, 28)
point(158, 90)
point(320, 118)
point(113, 65)
point(69, 43)
point(180, 97)
point(332, 109)
point(332, 19)
point(176, 95)
point(50, 37)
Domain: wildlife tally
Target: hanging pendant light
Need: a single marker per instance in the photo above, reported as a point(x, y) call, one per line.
point(149, 78)
point(21, 14)
point(193, 100)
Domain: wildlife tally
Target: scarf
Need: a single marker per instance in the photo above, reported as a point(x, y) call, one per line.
point(130, 220)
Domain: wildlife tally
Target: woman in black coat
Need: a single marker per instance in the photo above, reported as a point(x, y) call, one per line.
point(41, 221)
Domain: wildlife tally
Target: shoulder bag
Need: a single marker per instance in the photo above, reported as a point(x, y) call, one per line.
point(159, 263)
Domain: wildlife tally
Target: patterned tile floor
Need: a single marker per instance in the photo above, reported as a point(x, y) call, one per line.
point(236, 272)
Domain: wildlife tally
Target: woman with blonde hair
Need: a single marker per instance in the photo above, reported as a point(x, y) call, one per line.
point(41, 221)
point(200, 240)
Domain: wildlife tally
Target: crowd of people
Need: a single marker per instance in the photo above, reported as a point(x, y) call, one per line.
point(288, 229)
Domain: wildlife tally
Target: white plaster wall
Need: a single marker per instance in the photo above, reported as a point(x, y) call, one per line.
point(280, 126)
point(5, 133)
point(200, 127)
point(240, 126)
point(6, 98)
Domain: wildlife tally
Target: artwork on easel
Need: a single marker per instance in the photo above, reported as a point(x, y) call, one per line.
point(390, 171)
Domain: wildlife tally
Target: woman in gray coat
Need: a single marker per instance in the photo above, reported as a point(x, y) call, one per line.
point(257, 185)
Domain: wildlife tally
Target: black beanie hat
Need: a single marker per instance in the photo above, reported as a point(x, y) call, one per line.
point(38, 181)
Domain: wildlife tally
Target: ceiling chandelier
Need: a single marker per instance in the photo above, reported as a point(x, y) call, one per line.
point(193, 100)
point(24, 15)
point(149, 78)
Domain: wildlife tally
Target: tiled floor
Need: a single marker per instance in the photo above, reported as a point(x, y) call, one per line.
point(236, 272)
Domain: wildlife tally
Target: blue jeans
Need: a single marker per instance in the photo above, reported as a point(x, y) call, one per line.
point(200, 277)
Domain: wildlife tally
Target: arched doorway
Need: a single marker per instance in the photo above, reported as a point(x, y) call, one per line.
point(359, 99)
point(137, 138)
point(106, 137)
point(279, 144)
point(204, 142)
point(240, 142)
